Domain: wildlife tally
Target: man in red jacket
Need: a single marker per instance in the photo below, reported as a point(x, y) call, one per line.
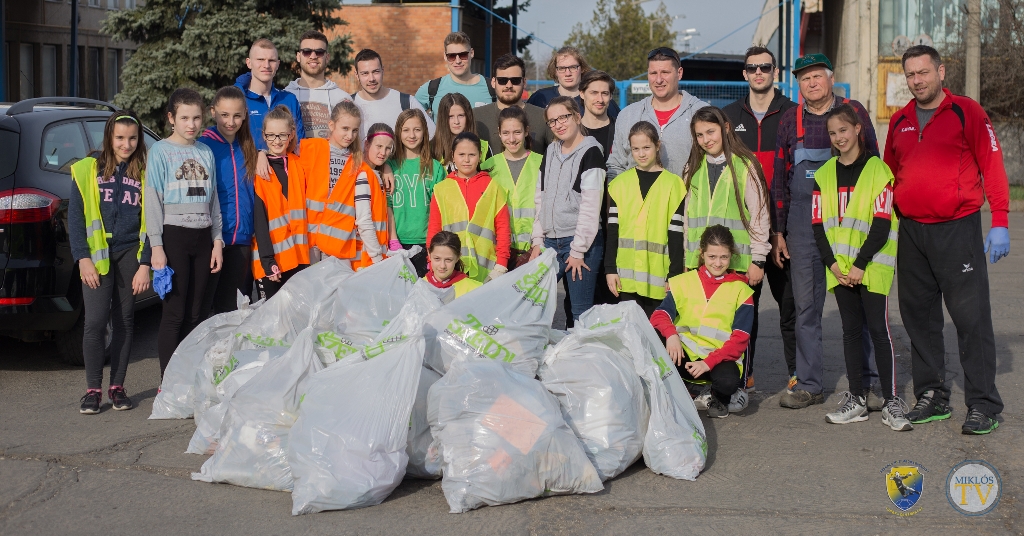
point(946, 158)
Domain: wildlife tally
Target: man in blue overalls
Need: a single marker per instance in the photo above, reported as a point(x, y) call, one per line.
point(803, 146)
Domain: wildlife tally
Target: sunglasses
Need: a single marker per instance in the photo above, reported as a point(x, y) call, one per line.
point(503, 80)
point(315, 52)
point(464, 56)
point(664, 51)
point(766, 68)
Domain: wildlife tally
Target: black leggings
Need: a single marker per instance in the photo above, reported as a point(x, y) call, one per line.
point(188, 254)
point(857, 305)
point(113, 300)
point(234, 276)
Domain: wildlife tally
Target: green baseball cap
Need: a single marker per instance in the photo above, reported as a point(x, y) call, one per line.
point(811, 60)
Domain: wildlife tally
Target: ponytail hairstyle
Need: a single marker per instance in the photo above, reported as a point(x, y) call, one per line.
point(106, 162)
point(518, 114)
point(244, 135)
point(379, 129)
point(846, 112)
point(717, 235)
point(443, 136)
point(449, 240)
point(426, 160)
point(645, 128)
point(570, 104)
point(732, 145)
point(476, 143)
point(282, 113)
point(349, 108)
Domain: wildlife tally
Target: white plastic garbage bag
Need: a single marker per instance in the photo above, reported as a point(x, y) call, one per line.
point(592, 375)
point(208, 421)
point(419, 431)
point(254, 435)
point(675, 444)
point(502, 438)
point(505, 320)
point(348, 447)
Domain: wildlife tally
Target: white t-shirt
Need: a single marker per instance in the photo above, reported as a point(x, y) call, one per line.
point(316, 105)
point(386, 111)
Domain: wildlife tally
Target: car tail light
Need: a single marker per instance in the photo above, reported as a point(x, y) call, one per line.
point(11, 302)
point(27, 205)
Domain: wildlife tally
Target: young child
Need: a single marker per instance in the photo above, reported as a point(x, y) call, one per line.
point(646, 244)
point(446, 268)
point(455, 116)
point(234, 155)
point(516, 169)
point(282, 246)
point(855, 230)
point(416, 174)
point(371, 201)
point(183, 218)
point(107, 229)
point(569, 202)
point(330, 197)
point(726, 185)
point(468, 199)
point(706, 318)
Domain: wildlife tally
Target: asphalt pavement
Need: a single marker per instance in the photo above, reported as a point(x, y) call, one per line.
point(770, 469)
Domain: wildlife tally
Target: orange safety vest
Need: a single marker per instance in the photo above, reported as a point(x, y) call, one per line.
point(379, 212)
point(287, 219)
point(315, 159)
point(334, 230)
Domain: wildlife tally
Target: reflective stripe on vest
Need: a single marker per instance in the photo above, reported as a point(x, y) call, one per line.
point(705, 325)
point(718, 208)
point(379, 214)
point(642, 257)
point(847, 234)
point(286, 219)
point(520, 194)
point(336, 232)
point(477, 233)
point(84, 173)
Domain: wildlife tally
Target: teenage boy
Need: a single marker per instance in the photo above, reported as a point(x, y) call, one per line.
point(260, 94)
point(458, 56)
point(316, 94)
point(509, 81)
point(378, 103)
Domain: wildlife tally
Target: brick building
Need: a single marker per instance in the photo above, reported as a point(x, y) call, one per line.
point(409, 38)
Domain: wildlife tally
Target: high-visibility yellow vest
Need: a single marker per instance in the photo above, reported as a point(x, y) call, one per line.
point(478, 236)
point(464, 285)
point(642, 259)
point(847, 236)
point(84, 173)
point(520, 195)
point(718, 208)
point(705, 325)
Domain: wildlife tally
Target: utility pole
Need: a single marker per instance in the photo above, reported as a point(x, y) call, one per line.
point(972, 79)
point(73, 60)
point(488, 38)
point(515, 23)
point(3, 57)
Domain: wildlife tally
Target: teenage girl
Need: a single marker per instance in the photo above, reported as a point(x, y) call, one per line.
point(371, 200)
point(183, 218)
point(282, 245)
point(725, 184)
point(468, 199)
point(234, 154)
point(416, 173)
point(569, 203)
point(855, 230)
point(706, 319)
point(107, 228)
point(646, 243)
point(459, 114)
point(330, 199)
point(516, 169)
point(446, 268)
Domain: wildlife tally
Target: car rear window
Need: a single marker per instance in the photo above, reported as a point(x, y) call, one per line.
point(95, 130)
point(8, 152)
point(63, 145)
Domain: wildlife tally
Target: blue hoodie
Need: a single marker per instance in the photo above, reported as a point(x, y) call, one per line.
point(234, 189)
point(258, 108)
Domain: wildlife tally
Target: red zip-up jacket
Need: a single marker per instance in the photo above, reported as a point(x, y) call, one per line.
point(945, 170)
point(471, 190)
point(759, 137)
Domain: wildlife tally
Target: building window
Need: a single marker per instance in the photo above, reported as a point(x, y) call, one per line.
point(112, 74)
point(27, 72)
point(903, 23)
point(129, 4)
point(111, 4)
point(94, 3)
point(48, 76)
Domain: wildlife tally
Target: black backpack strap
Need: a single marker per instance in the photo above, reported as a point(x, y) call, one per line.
point(432, 88)
point(494, 96)
point(404, 99)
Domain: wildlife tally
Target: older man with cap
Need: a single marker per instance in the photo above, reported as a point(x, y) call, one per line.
point(803, 146)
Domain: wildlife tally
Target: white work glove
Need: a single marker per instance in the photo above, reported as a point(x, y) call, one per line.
point(495, 273)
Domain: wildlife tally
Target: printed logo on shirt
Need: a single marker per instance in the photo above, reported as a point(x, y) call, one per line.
point(315, 116)
point(967, 268)
point(910, 128)
point(740, 128)
point(809, 174)
point(196, 175)
point(992, 137)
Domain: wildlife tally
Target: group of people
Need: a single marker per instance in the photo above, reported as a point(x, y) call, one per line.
point(682, 207)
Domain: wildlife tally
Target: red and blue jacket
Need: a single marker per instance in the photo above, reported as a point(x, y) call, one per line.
point(234, 189)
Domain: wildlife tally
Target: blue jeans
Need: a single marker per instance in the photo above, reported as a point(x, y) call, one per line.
point(581, 291)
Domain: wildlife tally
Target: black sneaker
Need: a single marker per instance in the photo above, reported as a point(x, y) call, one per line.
point(91, 402)
point(929, 409)
point(978, 423)
point(717, 409)
point(119, 399)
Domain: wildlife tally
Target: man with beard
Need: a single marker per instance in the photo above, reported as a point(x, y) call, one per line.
point(508, 81)
point(378, 103)
point(316, 94)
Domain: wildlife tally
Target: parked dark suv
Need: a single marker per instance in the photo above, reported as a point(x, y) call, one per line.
point(40, 289)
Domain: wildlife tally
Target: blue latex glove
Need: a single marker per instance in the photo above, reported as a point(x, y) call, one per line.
point(997, 243)
point(162, 281)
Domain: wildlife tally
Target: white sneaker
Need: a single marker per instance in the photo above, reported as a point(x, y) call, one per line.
point(701, 400)
point(894, 415)
point(852, 408)
point(738, 402)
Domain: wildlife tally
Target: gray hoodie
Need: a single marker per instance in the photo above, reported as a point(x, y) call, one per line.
point(675, 135)
point(568, 195)
point(316, 105)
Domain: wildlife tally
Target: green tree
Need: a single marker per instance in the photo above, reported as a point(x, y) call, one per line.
point(203, 44)
point(619, 36)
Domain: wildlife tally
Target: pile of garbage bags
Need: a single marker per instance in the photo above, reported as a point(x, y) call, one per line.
point(345, 383)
